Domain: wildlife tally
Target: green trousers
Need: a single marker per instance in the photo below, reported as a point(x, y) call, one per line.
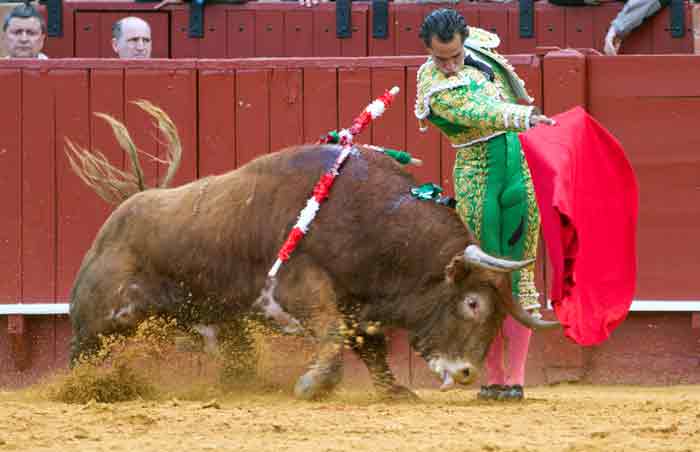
point(496, 199)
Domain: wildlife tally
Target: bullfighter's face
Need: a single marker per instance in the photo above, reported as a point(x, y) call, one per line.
point(447, 56)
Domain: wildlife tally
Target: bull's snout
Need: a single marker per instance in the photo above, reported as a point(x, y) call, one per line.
point(454, 372)
point(463, 376)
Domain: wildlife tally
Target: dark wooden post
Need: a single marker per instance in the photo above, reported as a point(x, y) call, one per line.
point(19, 343)
point(564, 84)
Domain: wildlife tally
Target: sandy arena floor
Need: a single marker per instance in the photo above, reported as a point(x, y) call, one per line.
point(560, 418)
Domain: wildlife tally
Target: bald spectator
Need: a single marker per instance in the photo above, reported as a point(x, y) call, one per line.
point(131, 38)
point(24, 32)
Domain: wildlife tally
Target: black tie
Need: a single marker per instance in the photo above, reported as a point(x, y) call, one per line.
point(483, 67)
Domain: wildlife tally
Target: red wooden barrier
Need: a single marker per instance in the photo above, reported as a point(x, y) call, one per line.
point(286, 108)
point(654, 113)
point(217, 121)
point(240, 26)
point(228, 112)
point(383, 46)
point(233, 112)
point(494, 18)
point(39, 204)
point(11, 221)
point(325, 42)
point(408, 21)
point(320, 112)
point(299, 33)
point(565, 75)
point(215, 41)
point(10, 195)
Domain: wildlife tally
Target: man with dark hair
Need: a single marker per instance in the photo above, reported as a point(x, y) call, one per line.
point(24, 32)
point(131, 38)
point(470, 93)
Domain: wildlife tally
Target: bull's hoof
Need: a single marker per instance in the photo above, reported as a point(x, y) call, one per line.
point(399, 393)
point(293, 328)
point(309, 387)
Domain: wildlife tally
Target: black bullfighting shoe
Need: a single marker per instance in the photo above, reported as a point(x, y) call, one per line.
point(512, 393)
point(490, 392)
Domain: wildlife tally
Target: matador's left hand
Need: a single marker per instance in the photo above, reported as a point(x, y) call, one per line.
point(541, 119)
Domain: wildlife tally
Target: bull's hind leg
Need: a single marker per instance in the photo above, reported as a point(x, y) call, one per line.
point(372, 350)
point(108, 297)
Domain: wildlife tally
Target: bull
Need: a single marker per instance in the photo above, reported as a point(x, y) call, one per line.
point(374, 258)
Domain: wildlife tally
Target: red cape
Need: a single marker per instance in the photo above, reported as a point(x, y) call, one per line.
point(588, 199)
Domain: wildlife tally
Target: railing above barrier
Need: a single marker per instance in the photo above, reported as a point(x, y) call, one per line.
point(284, 29)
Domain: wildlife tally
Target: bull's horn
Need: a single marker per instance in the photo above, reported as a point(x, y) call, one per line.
point(516, 310)
point(475, 255)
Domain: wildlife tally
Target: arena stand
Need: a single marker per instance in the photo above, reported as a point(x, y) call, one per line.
point(285, 29)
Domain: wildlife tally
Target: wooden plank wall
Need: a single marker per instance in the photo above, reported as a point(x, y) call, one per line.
point(286, 30)
point(647, 110)
point(228, 112)
point(652, 111)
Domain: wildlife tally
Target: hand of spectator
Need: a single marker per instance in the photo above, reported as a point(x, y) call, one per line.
point(612, 42)
point(310, 3)
point(541, 119)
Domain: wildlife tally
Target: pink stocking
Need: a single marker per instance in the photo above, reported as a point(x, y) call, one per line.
point(495, 374)
point(517, 337)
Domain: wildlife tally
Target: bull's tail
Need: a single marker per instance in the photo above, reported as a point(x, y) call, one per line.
point(111, 183)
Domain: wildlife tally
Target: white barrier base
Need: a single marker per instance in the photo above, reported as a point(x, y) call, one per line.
point(637, 306)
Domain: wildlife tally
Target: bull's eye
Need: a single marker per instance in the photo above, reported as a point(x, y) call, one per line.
point(472, 309)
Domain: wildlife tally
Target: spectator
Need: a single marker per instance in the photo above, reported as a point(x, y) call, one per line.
point(131, 38)
point(630, 17)
point(25, 32)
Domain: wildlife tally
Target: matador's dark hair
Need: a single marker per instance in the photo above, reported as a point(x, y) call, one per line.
point(23, 11)
point(443, 23)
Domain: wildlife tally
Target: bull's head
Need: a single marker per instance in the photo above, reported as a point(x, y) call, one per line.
point(476, 295)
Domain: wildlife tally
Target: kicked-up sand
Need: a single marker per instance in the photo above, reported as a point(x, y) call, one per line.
point(165, 395)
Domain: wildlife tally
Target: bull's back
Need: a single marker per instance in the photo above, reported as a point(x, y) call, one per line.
point(225, 231)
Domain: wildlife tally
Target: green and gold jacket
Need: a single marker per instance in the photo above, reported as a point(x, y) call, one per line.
point(467, 106)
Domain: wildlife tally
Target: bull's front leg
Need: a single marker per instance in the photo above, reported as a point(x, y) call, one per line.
point(306, 290)
point(326, 372)
point(373, 351)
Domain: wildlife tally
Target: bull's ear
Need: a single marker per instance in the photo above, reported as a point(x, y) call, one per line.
point(456, 270)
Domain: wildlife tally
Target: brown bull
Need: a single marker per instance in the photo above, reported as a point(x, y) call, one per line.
point(374, 257)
